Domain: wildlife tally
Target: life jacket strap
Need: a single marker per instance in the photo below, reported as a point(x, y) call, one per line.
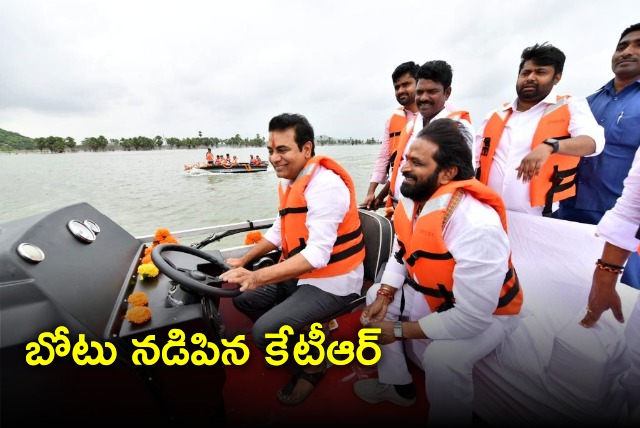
point(292, 210)
point(440, 293)
point(513, 291)
point(557, 185)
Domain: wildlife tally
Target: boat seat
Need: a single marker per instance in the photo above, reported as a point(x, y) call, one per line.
point(378, 242)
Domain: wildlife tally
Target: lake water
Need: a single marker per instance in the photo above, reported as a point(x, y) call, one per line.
point(145, 190)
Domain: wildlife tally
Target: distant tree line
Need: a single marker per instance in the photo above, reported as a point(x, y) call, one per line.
point(11, 141)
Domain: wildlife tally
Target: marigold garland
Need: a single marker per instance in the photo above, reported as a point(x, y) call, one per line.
point(138, 298)
point(147, 269)
point(138, 314)
point(253, 237)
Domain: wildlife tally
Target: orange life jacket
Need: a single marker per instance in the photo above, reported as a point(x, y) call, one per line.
point(348, 250)
point(424, 253)
point(402, 144)
point(397, 122)
point(209, 156)
point(556, 180)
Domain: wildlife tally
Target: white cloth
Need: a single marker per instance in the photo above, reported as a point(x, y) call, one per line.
point(328, 200)
point(379, 174)
point(515, 144)
point(550, 369)
point(417, 127)
point(464, 334)
point(619, 226)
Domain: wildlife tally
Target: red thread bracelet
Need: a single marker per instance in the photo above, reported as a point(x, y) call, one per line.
point(385, 293)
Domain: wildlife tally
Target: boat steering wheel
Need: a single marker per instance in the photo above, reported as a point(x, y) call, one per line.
point(192, 280)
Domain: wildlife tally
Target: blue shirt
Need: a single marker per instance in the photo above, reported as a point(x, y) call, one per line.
point(599, 178)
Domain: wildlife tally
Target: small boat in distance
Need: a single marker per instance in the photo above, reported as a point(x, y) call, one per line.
point(238, 168)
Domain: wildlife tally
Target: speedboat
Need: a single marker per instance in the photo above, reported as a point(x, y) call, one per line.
point(73, 352)
point(241, 167)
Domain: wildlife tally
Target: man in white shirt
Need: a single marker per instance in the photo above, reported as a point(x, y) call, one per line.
point(404, 85)
point(433, 90)
point(620, 228)
point(318, 230)
point(450, 286)
point(519, 145)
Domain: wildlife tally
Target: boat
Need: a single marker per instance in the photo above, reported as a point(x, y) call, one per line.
point(242, 167)
point(72, 351)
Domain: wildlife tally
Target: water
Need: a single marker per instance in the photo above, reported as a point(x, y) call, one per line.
point(142, 191)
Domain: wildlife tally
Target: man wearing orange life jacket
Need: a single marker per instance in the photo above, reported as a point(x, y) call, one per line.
point(209, 156)
point(528, 150)
point(318, 229)
point(450, 290)
point(432, 93)
point(404, 84)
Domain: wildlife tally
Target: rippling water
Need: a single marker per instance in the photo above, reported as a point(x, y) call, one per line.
point(142, 191)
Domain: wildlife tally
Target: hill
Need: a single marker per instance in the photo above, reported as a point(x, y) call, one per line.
point(10, 141)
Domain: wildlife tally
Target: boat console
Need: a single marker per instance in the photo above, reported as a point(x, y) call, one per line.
point(68, 353)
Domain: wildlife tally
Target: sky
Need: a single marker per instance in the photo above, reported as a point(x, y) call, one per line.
point(127, 68)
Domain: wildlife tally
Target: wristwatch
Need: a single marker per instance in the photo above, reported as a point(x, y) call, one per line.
point(553, 143)
point(397, 330)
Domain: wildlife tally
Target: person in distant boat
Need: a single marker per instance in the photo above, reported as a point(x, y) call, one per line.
point(227, 161)
point(234, 161)
point(528, 149)
point(433, 89)
point(258, 160)
point(318, 229)
point(620, 228)
point(599, 179)
point(404, 84)
point(449, 285)
point(209, 156)
point(252, 161)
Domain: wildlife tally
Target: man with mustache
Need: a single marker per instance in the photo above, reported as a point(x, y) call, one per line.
point(433, 90)
point(404, 84)
point(616, 106)
point(528, 149)
point(318, 230)
point(449, 286)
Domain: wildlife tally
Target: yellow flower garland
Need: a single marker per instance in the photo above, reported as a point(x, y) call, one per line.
point(147, 269)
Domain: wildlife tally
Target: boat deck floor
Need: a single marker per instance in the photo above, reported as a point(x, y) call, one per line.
point(250, 393)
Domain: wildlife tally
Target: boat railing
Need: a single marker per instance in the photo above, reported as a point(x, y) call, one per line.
point(215, 233)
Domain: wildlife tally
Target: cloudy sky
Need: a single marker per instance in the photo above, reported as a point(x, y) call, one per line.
point(125, 68)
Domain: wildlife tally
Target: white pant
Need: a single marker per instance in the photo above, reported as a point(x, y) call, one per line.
point(448, 364)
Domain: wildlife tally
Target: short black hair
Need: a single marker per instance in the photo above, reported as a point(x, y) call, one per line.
point(404, 68)
point(634, 27)
point(299, 124)
point(542, 55)
point(451, 138)
point(437, 70)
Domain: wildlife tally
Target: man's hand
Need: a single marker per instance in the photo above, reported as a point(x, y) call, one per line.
point(369, 201)
point(532, 163)
point(603, 296)
point(375, 312)
point(386, 332)
point(247, 279)
point(235, 262)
